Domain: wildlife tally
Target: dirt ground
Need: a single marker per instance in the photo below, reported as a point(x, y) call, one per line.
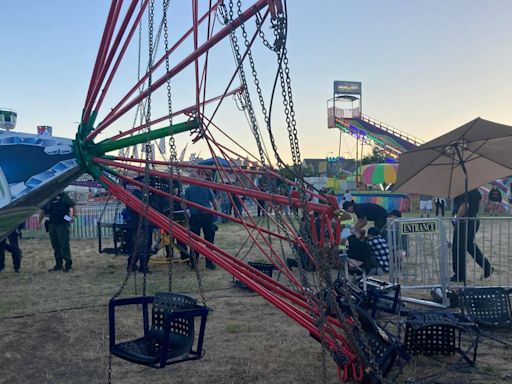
point(54, 328)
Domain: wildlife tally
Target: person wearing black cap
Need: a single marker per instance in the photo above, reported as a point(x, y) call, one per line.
point(367, 212)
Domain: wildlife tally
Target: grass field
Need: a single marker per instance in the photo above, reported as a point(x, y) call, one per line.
point(54, 328)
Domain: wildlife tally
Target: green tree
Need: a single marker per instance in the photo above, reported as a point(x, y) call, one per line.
point(377, 156)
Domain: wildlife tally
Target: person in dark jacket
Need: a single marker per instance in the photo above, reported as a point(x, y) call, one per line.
point(360, 250)
point(495, 200)
point(466, 226)
point(13, 247)
point(440, 205)
point(200, 219)
point(367, 212)
point(60, 218)
point(138, 248)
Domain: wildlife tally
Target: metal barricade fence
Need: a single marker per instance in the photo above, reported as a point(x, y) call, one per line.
point(419, 255)
point(481, 251)
point(85, 225)
point(427, 253)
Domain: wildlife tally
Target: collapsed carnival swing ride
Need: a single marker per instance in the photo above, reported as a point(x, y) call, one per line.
point(304, 228)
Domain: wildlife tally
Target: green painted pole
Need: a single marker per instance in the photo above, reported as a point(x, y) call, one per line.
point(111, 145)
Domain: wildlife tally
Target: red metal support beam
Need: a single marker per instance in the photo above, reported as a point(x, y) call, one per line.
point(177, 113)
point(122, 52)
point(109, 55)
point(98, 64)
point(255, 194)
point(215, 39)
point(203, 208)
point(143, 79)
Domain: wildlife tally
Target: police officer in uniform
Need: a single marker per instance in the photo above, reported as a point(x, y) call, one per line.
point(13, 247)
point(60, 214)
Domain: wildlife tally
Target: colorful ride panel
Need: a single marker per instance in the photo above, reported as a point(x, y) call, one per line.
point(33, 168)
point(392, 141)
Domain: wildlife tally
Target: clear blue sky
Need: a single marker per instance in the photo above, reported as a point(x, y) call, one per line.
point(426, 66)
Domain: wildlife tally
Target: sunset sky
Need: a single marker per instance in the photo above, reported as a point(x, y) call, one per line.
point(426, 66)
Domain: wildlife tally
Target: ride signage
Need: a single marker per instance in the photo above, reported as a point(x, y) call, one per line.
point(347, 87)
point(410, 227)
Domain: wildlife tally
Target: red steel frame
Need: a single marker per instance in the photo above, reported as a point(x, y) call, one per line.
point(297, 305)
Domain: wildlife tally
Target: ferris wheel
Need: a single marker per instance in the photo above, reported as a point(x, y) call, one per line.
point(184, 80)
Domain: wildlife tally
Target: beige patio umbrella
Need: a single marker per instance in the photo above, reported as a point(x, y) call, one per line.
point(466, 158)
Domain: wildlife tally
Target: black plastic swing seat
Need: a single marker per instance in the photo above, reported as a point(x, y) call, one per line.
point(490, 307)
point(265, 268)
point(441, 333)
point(171, 337)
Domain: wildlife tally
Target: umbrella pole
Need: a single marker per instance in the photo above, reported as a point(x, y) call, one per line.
point(462, 164)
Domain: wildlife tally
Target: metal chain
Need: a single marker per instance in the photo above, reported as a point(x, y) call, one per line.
point(172, 148)
point(291, 111)
point(228, 15)
point(149, 152)
point(371, 361)
point(109, 379)
point(194, 260)
point(145, 197)
point(256, 79)
point(256, 82)
point(280, 26)
point(286, 108)
point(261, 34)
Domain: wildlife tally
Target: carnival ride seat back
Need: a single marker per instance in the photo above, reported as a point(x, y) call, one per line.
point(171, 337)
point(490, 307)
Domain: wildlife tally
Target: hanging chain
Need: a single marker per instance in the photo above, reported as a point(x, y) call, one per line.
point(228, 17)
point(149, 152)
point(145, 197)
point(172, 149)
point(280, 27)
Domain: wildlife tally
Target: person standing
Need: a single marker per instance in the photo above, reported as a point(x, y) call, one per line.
point(495, 200)
point(347, 196)
point(466, 226)
point(139, 233)
point(178, 216)
point(225, 205)
point(199, 219)
point(238, 207)
point(60, 217)
point(440, 204)
point(425, 205)
point(261, 203)
point(12, 247)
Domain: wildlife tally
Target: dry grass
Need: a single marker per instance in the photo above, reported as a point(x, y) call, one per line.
point(54, 328)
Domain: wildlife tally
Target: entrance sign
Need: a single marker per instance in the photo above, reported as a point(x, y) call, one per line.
point(411, 227)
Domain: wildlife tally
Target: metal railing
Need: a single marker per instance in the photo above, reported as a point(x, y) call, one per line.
point(85, 225)
point(442, 253)
point(395, 131)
